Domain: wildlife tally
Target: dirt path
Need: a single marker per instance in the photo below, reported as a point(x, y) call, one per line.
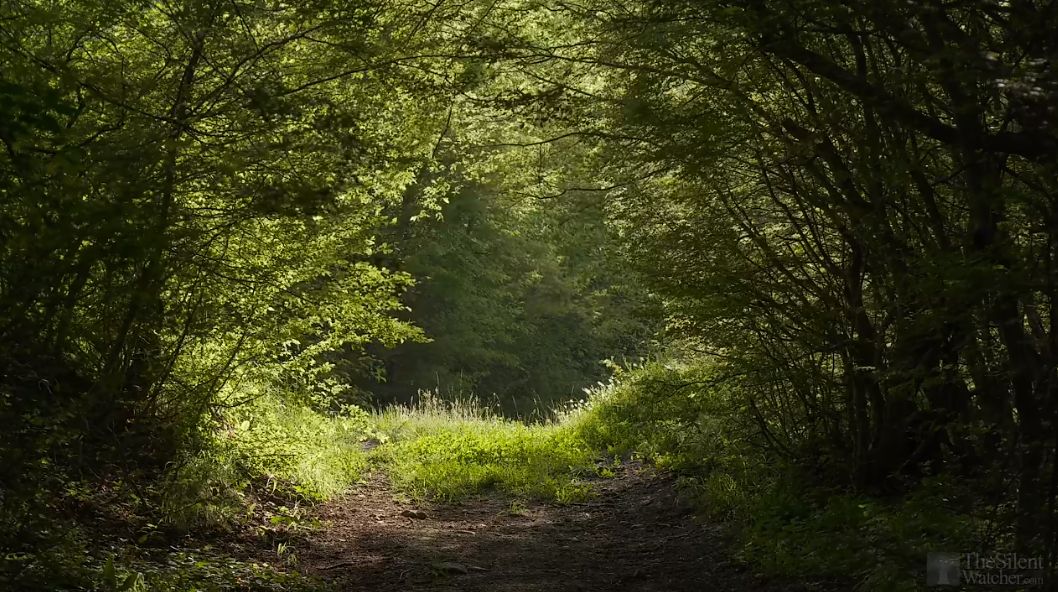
point(636, 535)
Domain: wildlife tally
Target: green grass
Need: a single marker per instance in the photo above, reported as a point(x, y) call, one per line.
point(263, 453)
point(318, 455)
point(265, 443)
point(447, 451)
point(432, 449)
point(678, 418)
point(791, 526)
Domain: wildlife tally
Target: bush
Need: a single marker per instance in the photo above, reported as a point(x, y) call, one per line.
point(269, 444)
point(791, 523)
point(317, 455)
point(679, 417)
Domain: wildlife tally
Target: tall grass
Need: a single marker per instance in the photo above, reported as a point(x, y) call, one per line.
point(450, 449)
point(318, 454)
point(431, 448)
point(265, 441)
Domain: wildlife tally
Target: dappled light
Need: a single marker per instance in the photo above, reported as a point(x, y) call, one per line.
point(527, 295)
point(487, 543)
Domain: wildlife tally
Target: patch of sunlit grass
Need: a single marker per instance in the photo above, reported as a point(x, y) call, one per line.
point(448, 450)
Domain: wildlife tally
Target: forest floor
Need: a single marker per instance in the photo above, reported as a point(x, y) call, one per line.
point(636, 534)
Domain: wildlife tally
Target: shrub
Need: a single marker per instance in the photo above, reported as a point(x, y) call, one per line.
point(791, 523)
point(316, 454)
point(269, 443)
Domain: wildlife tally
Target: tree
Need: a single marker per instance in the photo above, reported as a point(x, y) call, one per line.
point(191, 196)
point(849, 204)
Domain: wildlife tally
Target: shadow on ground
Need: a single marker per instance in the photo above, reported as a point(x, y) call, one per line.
point(636, 535)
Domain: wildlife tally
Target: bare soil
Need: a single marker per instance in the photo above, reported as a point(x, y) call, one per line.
point(637, 534)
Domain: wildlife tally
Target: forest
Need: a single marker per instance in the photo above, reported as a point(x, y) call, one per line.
point(525, 295)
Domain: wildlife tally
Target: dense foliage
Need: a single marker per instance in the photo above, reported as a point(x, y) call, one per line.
point(850, 208)
point(189, 195)
point(519, 301)
point(857, 219)
point(222, 221)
